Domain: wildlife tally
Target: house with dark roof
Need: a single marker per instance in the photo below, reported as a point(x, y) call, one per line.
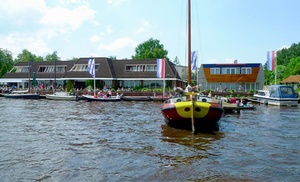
point(111, 73)
point(136, 73)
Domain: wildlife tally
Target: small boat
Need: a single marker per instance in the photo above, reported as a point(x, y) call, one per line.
point(62, 96)
point(280, 95)
point(135, 98)
point(184, 113)
point(21, 95)
point(247, 106)
point(193, 111)
point(101, 99)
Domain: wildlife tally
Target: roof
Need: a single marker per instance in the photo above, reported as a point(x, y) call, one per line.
point(292, 79)
point(107, 69)
point(252, 65)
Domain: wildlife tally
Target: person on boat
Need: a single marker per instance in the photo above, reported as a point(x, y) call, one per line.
point(100, 94)
point(108, 93)
point(240, 88)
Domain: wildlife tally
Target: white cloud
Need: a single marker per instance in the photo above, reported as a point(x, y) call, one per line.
point(108, 29)
point(13, 6)
point(16, 42)
point(115, 2)
point(144, 27)
point(118, 44)
point(95, 38)
point(63, 17)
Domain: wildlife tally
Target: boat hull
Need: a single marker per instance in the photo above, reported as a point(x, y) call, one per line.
point(100, 99)
point(206, 115)
point(22, 96)
point(136, 98)
point(277, 101)
point(58, 97)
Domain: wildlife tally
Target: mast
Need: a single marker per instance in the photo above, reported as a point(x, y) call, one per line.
point(189, 42)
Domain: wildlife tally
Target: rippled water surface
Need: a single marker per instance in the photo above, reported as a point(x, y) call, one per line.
point(44, 140)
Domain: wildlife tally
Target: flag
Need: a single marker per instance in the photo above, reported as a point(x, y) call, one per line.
point(271, 57)
point(160, 68)
point(194, 60)
point(91, 67)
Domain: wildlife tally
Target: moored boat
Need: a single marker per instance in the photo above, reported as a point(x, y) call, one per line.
point(101, 99)
point(62, 96)
point(280, 95)
point(193, 111)
point(135, 98)
point(22, 95)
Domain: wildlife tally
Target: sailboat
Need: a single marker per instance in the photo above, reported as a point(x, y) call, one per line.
point(91, 70)
point(60, 95)
point(190, 112)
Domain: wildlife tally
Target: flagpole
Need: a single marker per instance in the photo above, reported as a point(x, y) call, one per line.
point(94, 67)
point(164, 80)
point(275, 68)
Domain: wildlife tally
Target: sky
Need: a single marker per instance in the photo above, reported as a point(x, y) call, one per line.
point(222, 30)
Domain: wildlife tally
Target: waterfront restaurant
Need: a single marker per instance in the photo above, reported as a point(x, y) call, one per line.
point(141, 73)
point(125, 74)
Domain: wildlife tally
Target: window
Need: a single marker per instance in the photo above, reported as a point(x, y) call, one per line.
point(214, 71)
point(140, 68)
point(246, 71)
point(22, 69)
point(83, 67)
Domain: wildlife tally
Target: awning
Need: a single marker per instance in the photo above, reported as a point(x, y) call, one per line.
point(10, 80)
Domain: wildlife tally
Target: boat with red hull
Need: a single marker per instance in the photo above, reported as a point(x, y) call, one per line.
point(192, 111)
point(179, 113)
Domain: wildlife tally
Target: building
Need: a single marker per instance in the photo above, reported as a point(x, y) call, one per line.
point(111, 73)
point(238, 77)
point(293, 80)
point(135, 73)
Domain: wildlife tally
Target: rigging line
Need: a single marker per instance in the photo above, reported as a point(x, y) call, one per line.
point(200, 52)
point(179, 38)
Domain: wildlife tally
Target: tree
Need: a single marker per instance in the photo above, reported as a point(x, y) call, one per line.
point(287, 64)
point(52, 57)
point(176, 61)
point(6, 61)
point(150, 49)
point(112, 57)
point(26, 56)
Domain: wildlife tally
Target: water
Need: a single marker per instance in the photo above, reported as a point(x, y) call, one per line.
point(45, 140)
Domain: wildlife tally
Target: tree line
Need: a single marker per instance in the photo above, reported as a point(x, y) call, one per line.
point(287, 64)
point(288, 59)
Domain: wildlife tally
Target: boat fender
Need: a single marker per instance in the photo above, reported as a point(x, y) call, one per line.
point(204, 100)
point(178, 100)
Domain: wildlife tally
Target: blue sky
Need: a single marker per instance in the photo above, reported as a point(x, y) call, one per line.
point(222, 30)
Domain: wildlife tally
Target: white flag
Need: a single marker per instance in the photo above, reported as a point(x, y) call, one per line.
point(91, 67)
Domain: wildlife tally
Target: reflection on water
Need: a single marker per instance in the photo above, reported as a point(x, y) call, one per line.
point(45, 140)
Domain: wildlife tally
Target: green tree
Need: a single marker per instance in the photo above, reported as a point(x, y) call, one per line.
point(287, 64)
point(26, 56)
point(150, 49)
point(176, 61)
point(112, 57)
point(6, 61)
point(52, 57)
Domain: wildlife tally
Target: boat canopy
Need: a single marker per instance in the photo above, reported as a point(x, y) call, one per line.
point(282, 91)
